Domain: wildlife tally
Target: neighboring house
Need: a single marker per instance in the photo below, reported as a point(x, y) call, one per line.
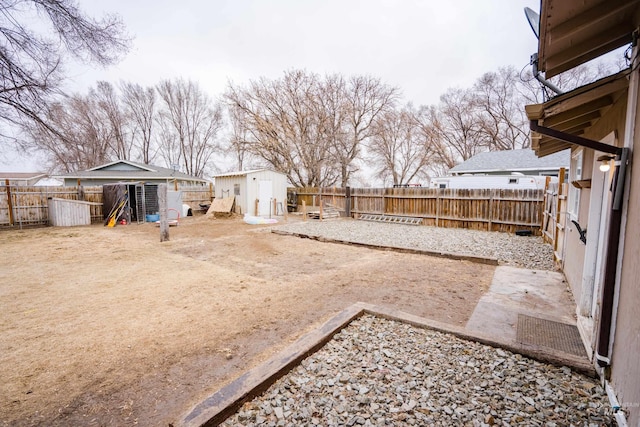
point(128, 171)
point(506, 162)
point(256, 189)
point(515, 181)
point(21, 178)
point(599, 123)
point(511, 169)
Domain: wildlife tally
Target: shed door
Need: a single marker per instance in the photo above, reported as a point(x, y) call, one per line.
point(265, 195)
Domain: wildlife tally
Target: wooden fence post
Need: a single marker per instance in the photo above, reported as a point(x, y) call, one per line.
point(558, 206)
point(438, 199)
point(210, 191)
point(304, 210)
point(162, 204)
point(490, 213)
point(9, 202)
point(347, 201)
point(384, 205)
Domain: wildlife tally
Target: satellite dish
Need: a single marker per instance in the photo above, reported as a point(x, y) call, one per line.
point(534, 21)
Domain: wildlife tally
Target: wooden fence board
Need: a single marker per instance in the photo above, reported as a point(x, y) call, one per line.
point(483, 209)
point(25, 206)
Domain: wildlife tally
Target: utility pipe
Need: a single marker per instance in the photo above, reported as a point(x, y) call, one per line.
point(536, 74)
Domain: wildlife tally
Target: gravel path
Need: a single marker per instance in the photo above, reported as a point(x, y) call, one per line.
point(378, 372)
point(509, 249)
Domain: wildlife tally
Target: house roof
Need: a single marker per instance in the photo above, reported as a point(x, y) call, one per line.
point(574, 32)
point(22, 175)
point(134, 172)
point(244, 173)
point(511, 160)
point(576, 111)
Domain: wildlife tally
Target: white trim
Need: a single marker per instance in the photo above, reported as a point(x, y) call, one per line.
point(136, 165)
point(586, 328)
point(574, 193)
point(618, 412)
point(244, 173)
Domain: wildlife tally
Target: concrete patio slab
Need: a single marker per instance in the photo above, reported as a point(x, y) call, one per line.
point(515, 291)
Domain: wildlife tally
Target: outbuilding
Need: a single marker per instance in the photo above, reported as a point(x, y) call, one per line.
point(255, 191)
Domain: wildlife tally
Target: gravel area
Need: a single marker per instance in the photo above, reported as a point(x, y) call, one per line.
point(509, 249)
point(380, 372)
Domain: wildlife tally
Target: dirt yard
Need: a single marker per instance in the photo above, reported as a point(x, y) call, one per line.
point(104, 326)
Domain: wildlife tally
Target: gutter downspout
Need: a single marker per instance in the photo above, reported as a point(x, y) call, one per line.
point(611, 261)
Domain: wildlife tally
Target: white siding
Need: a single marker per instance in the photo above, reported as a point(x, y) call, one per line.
point(249, 184)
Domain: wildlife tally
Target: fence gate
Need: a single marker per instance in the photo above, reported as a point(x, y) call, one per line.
point(140, 204)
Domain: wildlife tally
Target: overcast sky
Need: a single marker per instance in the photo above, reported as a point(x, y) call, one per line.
point(423, 47)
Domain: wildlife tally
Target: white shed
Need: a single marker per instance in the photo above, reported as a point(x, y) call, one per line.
point(263, 185)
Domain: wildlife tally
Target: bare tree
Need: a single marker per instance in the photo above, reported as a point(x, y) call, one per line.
point(399, 149)
point(502, 120)
point(453, 126)
point(122, 134)
point(190, 123)
point(140, 106)
point(310, 128)
point(366, 98)
point(240, 138)
point(285, 128)
point(30, 61)
point(80, 136)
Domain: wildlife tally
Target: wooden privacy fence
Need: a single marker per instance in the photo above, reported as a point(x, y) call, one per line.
point(554, 218)
point(484, 209)
point(26, 206)
point(193, 195)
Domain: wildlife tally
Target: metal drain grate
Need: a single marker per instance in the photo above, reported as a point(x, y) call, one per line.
point(547, 333)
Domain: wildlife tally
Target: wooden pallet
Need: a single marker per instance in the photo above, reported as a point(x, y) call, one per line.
point(326, 213)
point(391, 219)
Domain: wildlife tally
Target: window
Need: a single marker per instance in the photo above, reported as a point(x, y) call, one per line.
point(513, 180)
point(236, 189)
point(575, 174)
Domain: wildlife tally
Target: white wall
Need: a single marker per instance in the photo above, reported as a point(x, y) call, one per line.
point(249, 184)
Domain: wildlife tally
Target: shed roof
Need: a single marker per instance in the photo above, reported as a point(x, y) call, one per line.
point(245, 173)
point(511, 160)
point(136, 171)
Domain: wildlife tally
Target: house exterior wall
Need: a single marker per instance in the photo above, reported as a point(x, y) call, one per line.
point(542, 172)
point(625, 367)
point(574, 249)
